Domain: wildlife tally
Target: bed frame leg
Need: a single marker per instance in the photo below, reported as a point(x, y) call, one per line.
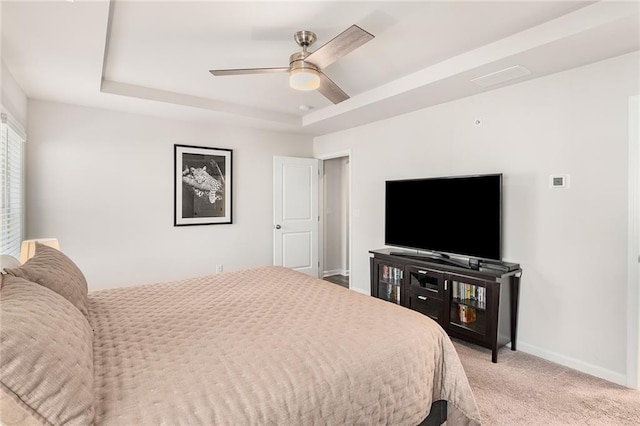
point(437, 415)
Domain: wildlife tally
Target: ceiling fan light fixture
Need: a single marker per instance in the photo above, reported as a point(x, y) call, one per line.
point(304, 79)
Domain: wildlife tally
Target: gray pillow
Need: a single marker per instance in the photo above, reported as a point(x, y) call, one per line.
point(46, 357)
point(53, 269)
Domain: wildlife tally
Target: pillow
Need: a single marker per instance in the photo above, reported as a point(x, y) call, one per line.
point(7, 261)
point(46, 356)
point(51, 268)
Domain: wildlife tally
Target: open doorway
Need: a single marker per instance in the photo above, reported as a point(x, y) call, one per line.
point(335, 211)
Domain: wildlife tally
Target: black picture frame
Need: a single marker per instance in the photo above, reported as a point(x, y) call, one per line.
point(202, 185)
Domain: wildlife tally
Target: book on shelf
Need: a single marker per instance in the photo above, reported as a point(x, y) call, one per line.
point(463, 291)
point(391, 274)
point(395, 294)
point(466, 314)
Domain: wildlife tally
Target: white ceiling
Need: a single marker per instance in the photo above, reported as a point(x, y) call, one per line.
point(153, 57)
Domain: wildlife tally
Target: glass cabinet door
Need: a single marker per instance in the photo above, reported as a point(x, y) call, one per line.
point(389, 282)
point(468, 305)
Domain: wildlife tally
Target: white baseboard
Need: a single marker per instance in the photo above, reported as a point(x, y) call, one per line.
point(576, 364)
point(357, 290)
point(331, 272)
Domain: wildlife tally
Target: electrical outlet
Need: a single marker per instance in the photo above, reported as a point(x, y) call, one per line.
point(218, 269)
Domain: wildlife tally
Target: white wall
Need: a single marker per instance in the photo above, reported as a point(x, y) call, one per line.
point(102, 183)
point(336, 225)
point(572, 244)
point(12, 98)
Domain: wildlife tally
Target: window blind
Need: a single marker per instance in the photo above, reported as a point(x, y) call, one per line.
point(11, 184)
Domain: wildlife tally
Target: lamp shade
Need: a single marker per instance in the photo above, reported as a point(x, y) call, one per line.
point(28, 249)
point(304, 79)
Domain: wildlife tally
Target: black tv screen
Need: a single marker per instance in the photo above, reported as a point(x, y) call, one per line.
point(460, 215)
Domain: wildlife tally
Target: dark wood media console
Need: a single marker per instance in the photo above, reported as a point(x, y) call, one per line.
point(479, 306)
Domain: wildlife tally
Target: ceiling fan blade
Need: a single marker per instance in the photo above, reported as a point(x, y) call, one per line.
point(330, 90)
point(345, 42)
point(219, 73)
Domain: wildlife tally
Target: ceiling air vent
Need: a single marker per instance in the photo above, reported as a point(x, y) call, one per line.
point(501, 76)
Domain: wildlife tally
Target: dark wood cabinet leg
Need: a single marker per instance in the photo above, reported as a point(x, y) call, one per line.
point(515, 296)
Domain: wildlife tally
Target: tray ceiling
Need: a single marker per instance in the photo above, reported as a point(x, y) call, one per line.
point(154, 57)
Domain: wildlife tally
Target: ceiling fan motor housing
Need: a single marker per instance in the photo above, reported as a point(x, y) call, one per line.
point(297, 61)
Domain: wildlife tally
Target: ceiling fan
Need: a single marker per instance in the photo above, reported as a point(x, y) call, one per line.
point(305, 68)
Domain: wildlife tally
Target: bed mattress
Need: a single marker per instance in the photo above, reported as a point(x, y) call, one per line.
point(268, 346)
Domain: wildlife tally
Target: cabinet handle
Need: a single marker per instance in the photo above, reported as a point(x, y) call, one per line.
point(422, 297)
point(445, 285)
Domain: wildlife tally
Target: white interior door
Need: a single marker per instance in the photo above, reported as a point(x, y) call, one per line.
point(295, 214)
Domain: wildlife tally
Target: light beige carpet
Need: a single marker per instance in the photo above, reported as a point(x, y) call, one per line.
point(522, 389)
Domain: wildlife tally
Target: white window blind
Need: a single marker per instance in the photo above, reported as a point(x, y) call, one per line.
point(11, 184)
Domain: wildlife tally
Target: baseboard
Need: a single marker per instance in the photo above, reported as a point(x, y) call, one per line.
point(357, 290)
point(576, 364)
point(331, 272)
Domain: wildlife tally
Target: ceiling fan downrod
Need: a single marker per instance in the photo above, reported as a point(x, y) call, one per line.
point(305, 39)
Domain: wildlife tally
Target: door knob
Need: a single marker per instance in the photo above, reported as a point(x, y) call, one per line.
point(278, 226)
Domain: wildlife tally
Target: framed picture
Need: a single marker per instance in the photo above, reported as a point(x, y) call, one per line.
point(202, 194)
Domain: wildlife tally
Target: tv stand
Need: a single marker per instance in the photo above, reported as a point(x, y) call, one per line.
point(476, 305)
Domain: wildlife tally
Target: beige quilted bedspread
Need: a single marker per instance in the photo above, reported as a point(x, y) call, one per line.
point(268, 346)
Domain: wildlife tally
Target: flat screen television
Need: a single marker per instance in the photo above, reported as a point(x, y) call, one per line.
point(458, 215)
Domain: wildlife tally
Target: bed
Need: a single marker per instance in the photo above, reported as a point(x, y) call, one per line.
point(264, 346)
